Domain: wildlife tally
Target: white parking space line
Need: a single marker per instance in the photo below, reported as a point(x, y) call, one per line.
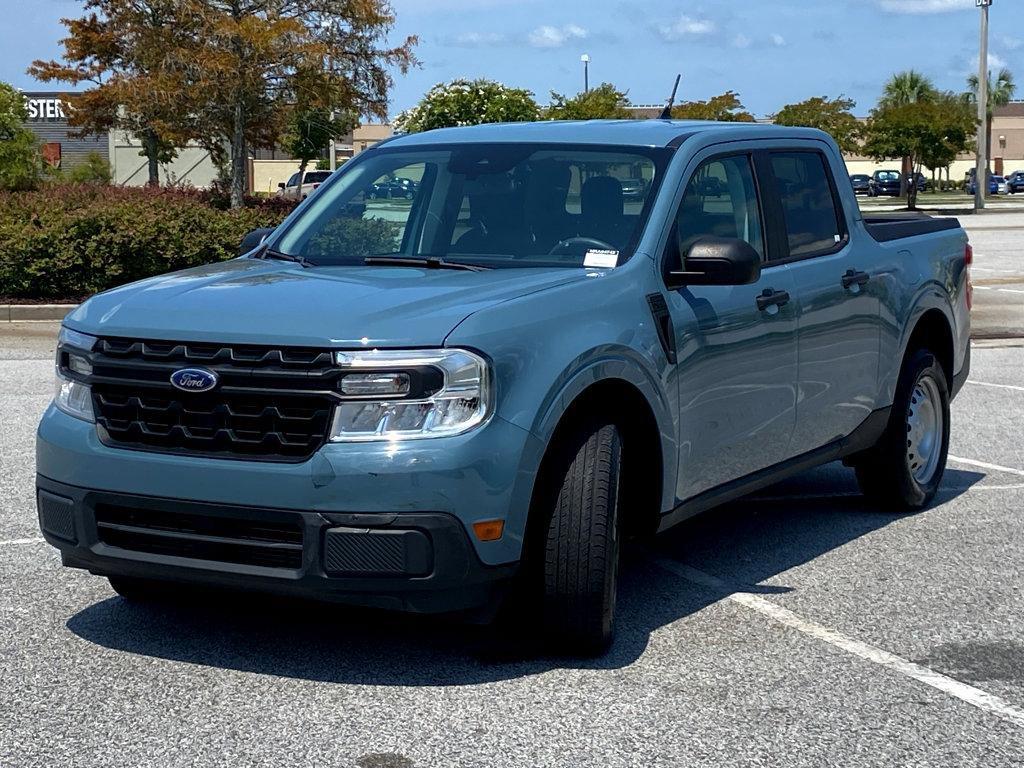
point(865, 651)
point(993, 384)
point(27, 541)
point(986, 465)
point(1003, 290)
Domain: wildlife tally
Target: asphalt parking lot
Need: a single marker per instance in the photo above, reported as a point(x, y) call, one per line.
point(794, 627)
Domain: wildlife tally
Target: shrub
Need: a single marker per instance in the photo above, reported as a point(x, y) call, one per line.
point(69, 241)
point(95, 170)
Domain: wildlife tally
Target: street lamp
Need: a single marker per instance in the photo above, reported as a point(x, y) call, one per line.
point(981, 164)
point(585, 58)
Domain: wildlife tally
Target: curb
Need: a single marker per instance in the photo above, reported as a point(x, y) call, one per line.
point(18, 312)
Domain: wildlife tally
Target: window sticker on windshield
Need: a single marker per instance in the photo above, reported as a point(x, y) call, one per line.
point(600, 257)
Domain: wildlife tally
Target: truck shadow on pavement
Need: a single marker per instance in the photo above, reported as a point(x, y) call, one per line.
point(744, 544)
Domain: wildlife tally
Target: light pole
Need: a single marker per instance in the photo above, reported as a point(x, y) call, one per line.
point(981, 165)
point(585, 58)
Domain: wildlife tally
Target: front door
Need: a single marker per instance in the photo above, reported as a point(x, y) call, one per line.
point(838, 336)
point(737, 357)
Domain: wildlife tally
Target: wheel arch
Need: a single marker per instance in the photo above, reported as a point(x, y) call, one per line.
point(932, 328)
point(627, 397)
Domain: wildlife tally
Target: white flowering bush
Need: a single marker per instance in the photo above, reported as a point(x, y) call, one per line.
point(468, 102)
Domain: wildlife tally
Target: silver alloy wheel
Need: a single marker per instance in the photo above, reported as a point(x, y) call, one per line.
point(924, 429)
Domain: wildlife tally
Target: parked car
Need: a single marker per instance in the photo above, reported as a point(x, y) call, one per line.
point(861, 184)
point(393, 188)
point(1015, 182)
point(993, 184)
point(919, 179)
point(292, 188)
point(493, 388)
point(884, 183)
point(1000, 185)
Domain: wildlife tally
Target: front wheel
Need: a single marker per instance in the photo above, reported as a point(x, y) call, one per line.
point(903, 470)
point(580, 561)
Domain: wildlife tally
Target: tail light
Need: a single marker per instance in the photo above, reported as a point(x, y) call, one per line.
point(968, 261)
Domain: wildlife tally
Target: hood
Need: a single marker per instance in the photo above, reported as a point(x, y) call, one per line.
point(250, 301)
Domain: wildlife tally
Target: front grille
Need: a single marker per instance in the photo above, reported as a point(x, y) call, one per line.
point(227, 539)
point(270, 403)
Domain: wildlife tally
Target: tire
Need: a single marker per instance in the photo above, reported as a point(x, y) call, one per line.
point(903, 470)
point(580, 560)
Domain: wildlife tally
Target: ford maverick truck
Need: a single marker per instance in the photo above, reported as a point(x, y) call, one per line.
point(568, 333)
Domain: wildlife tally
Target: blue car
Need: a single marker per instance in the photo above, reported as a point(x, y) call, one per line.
point(430, 407)
point(993, 184)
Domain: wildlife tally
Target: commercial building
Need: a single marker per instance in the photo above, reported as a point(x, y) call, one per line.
point(63, 149)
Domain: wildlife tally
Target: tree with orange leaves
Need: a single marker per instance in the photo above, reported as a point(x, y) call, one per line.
point(228, 73)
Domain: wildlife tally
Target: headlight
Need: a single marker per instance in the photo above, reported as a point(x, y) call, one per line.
point(404, 394)
point(71, 395)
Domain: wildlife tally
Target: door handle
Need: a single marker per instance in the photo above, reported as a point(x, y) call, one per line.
point(851, 277)
point(771, 298)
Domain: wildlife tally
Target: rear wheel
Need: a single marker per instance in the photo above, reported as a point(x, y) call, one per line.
point(903, 470)
point(580, 560)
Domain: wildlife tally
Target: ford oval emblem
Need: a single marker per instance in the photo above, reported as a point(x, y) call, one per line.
point(194, 380)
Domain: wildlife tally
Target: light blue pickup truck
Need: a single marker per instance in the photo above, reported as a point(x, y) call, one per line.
point(569, 333)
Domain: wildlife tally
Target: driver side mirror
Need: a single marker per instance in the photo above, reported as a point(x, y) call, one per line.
point(280, 185)
point(253, 238)
point(713, 261)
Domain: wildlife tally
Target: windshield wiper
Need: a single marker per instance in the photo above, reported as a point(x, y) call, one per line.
point(268, 253)
point(430, 262)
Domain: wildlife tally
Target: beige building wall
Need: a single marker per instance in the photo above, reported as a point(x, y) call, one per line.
point(192, 167)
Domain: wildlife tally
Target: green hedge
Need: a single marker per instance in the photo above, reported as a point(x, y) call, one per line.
point(70, 241)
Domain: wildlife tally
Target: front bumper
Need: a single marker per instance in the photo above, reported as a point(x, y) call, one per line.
point(419, 562)
point(484, 474)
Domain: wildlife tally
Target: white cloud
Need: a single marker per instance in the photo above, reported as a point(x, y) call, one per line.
point(741, 41)
point(478, 39)
point(995, 61)
point(778, 40)
point(924, 6)
point(686, 26)
point(547, 36)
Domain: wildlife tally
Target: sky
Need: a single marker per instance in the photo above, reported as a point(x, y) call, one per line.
point(772, 52)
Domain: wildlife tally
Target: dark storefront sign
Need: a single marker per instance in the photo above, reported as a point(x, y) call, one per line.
point(47, 119)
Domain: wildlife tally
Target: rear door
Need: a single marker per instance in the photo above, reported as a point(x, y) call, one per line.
point(839, 325)
point(737, 352)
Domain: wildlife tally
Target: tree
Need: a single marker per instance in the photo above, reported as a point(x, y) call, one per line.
point(832, 116)
point(999, 94)
point(468, 102)
point(726, 106)
point(605, 102)
point(908, 87)
point(118, 46)
point(310, 130)
point(247, 63)
point(929, 133)
point(903, 88)
point(20, 162)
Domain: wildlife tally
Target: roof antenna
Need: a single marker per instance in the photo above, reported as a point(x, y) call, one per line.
point(666, 114)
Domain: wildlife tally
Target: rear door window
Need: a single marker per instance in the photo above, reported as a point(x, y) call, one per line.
point(809, 205)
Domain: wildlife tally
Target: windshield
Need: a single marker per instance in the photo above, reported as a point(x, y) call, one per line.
point(888, 176)
point(495, 205)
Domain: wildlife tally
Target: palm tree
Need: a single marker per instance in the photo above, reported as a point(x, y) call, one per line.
point(907, 87)
point(999, 94)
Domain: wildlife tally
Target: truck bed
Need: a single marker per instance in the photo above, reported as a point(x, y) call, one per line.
point(886, 227)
